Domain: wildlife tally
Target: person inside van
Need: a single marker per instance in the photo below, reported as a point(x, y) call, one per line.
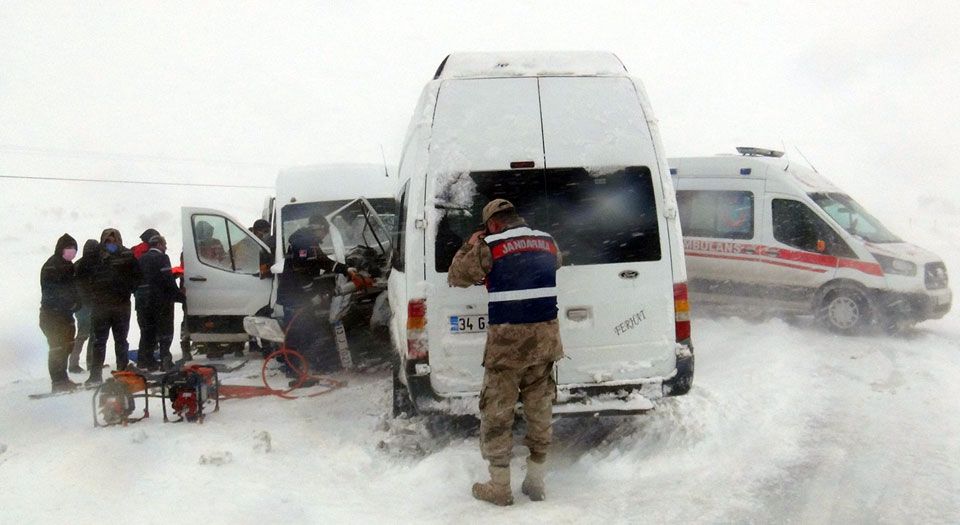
point(519, 266)
point(305, 295)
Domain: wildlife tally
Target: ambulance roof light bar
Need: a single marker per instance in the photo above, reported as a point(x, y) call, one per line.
point(759, 152)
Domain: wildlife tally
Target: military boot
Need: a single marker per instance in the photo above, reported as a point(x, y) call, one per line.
point(497, 490)
point(533, 483)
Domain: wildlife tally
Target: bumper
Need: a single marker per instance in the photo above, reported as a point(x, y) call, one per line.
point(917, 307)
point(611, 398)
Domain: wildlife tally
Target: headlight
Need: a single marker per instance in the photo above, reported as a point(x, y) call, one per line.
point(896, 266)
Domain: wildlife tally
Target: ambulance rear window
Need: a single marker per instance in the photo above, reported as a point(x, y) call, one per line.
point(596, 218)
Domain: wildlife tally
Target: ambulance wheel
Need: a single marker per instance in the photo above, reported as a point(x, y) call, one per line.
point(845, 311)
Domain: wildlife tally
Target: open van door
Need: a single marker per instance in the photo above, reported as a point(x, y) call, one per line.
point(225, 275)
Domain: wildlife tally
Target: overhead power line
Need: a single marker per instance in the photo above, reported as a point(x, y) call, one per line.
point(77, 153)
point(147, 182)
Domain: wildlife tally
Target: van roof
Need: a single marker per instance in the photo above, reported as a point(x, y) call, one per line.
point(330, 182)
point(530, 64)
point(780, 173)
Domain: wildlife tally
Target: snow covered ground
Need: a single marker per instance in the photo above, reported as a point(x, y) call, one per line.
point(786, 423)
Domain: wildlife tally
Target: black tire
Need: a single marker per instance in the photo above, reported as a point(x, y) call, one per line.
point(402, 404)
point(845, 311)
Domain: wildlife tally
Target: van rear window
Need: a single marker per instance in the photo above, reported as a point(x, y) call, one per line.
point(596, 218)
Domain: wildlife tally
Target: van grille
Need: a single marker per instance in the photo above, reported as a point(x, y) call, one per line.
point(935, 276)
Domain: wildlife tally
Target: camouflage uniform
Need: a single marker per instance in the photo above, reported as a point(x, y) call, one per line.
point(518, 361)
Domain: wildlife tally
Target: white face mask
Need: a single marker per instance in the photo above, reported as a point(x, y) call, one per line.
point(69, 253)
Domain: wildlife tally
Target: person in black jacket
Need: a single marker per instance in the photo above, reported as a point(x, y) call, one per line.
point(306, 296)
point(113, 279)
point(158, 293)
point(88, 258)
point(58, 301)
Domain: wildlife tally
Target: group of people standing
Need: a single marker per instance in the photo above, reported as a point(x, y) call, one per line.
point(90, 299)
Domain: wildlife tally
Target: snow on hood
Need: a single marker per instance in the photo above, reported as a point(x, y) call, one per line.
point(903, 250)
point(531, 64)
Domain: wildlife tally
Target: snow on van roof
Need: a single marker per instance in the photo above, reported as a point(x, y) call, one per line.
point(530, 64)
point(772, 169)
point(329, 182)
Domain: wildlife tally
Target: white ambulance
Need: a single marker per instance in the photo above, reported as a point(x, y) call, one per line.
point(571, 140)
point(765, 234)
point(227, 270)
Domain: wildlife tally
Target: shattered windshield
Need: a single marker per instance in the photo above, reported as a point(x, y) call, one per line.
point(350, 222)
point(853, 217)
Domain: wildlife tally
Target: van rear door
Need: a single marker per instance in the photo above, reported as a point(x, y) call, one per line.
point(480, 127)
point(604, 192)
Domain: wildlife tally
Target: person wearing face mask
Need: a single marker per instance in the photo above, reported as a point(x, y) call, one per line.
point(159, 292)
point(113, 279)
point(58, 301)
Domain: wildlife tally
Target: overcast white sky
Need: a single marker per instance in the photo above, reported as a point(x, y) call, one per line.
point(867, 91)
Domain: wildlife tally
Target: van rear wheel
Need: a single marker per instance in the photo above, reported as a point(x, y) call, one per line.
point(845, 311)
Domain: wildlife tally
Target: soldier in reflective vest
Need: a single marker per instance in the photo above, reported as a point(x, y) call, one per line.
point(519, 267)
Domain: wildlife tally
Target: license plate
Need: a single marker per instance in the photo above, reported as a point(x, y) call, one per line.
point(467, 324)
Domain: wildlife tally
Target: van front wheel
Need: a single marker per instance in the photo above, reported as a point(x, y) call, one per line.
point(845, 311)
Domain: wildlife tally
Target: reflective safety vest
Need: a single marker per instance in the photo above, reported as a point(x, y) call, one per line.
point(522, 284)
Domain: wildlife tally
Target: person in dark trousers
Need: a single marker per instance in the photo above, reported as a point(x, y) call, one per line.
point(113, 279)
point(58, 301)
point(159, 292)
point(87, 259)
point(138, 252)
point(306, 298)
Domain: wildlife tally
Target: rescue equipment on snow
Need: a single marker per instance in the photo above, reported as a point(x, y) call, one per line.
point(114, 401)
point(188, 390)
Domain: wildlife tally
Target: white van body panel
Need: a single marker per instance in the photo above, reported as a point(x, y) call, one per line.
point(484, 112)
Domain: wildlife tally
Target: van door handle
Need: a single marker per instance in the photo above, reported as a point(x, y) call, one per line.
point(629, 274)
point(200, 279)
point(578, 314)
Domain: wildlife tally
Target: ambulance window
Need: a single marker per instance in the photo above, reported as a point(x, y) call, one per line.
point(719, 214)
point(461, 197)
point(212, 241)
point(602, 218)
point(399, 236)
point(795, 224)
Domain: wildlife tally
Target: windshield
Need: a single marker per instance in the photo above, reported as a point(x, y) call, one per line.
point(853, 218)
point(350, 222)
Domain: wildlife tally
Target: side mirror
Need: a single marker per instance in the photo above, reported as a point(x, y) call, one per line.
point(821, 246)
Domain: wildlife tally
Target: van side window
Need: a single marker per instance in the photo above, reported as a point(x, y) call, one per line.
point(720, 214)
point(222, 244)
point(795, 224)
point(399, 233)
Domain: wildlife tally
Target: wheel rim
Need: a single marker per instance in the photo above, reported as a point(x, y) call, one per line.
point(843, 312)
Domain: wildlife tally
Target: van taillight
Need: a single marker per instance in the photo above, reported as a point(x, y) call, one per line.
point(681, 307)
point(417, 329)
point(522, 164)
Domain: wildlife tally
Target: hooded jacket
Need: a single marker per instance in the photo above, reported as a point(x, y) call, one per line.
point(58, 292)
point(144, 246)
point(84, 268)
point(114, 275)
